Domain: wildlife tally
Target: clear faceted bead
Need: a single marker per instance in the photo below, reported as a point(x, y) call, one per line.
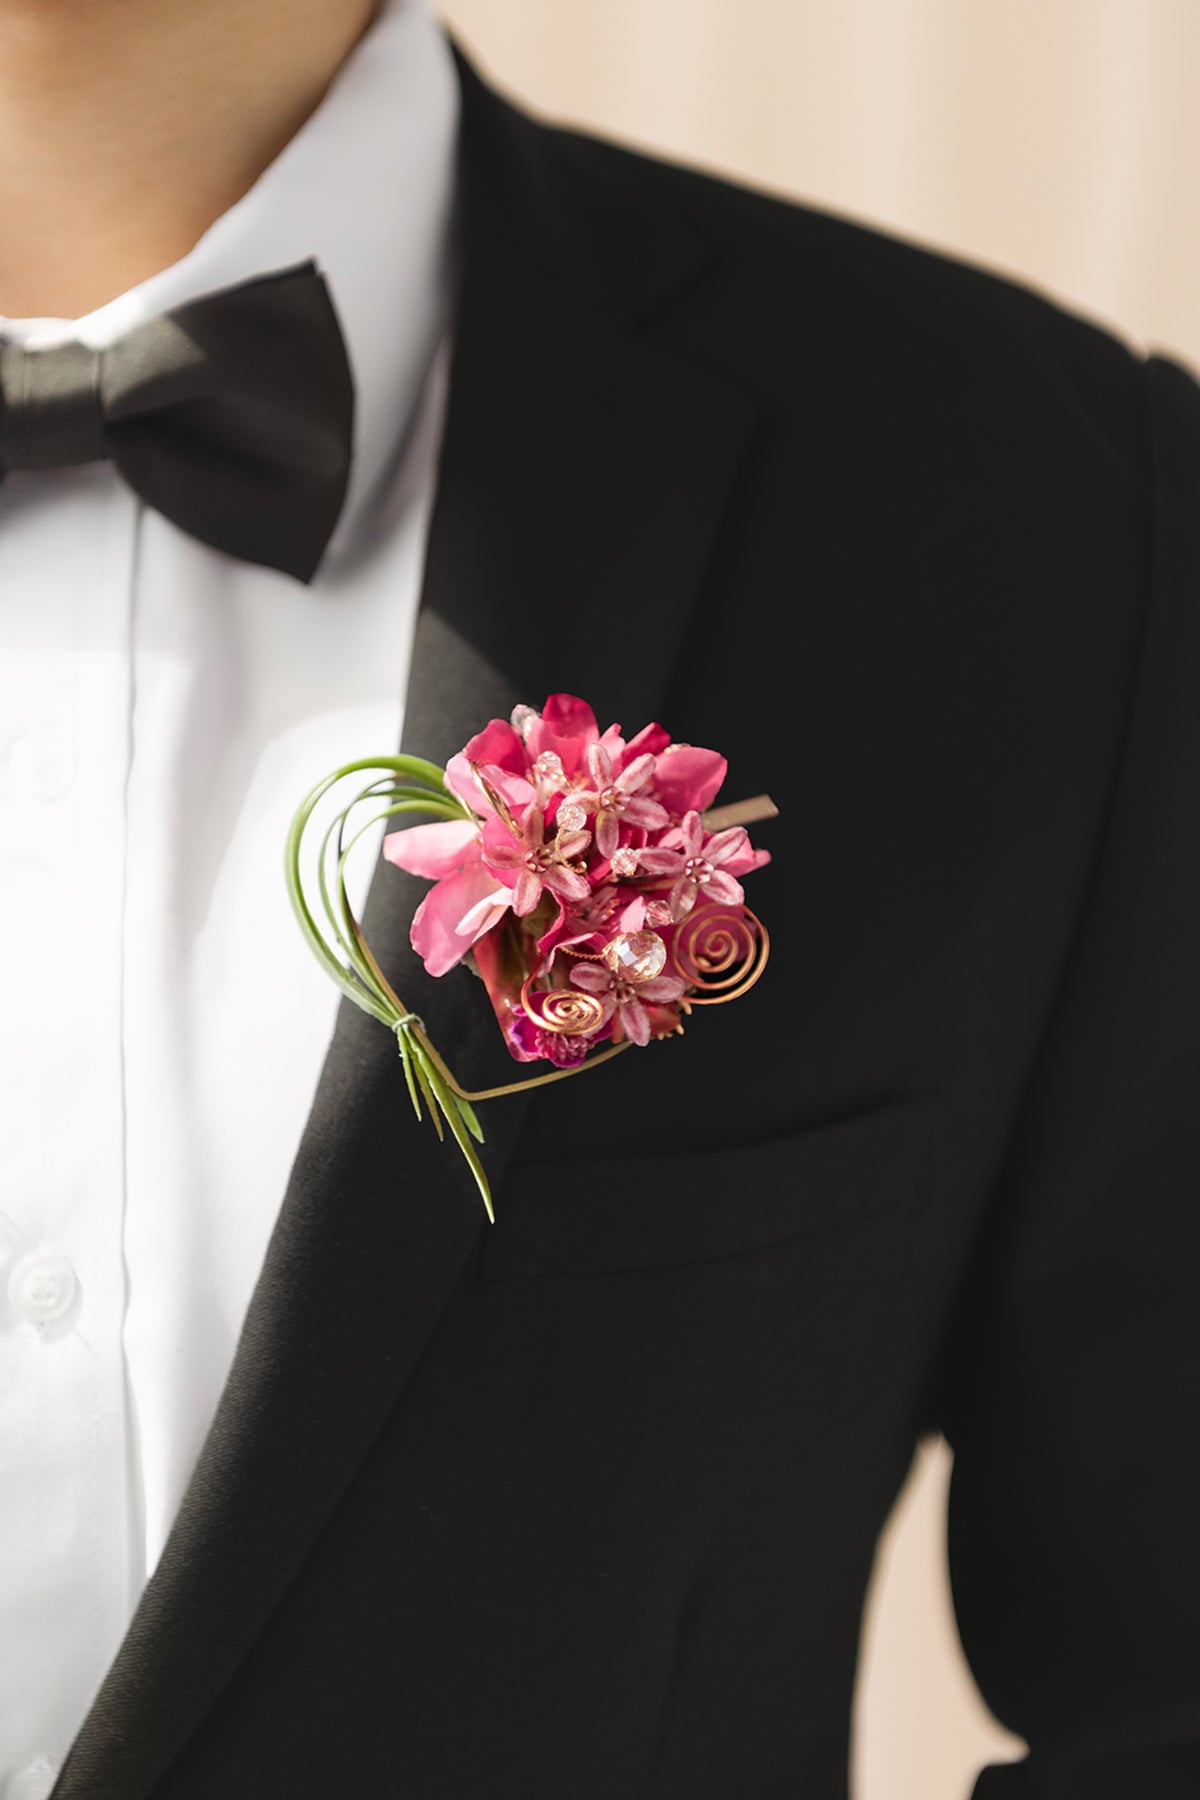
point(636, 955)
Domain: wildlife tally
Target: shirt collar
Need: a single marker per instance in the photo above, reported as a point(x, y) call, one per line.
point(365, 189)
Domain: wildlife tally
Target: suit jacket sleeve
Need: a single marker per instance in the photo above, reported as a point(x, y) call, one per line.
point(1069, 1382)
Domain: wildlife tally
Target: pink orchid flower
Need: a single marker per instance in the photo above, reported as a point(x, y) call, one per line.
point(687, 779)
point(534, 783)
point(560, 736)
point(616, 800)
point(622, 994)
point(520, 849)
point(466, 899)
point(564, 728)
point(696, 864)
point(499, 756)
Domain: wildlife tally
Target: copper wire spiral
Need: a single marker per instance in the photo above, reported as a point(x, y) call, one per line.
point(563, 1010)
point(720, 951)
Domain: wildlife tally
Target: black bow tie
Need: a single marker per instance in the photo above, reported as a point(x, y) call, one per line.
point(231, 414)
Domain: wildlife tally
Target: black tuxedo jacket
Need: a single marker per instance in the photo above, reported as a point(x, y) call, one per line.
point(583, 1505)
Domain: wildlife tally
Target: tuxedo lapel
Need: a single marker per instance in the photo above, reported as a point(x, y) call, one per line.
point(582, 472)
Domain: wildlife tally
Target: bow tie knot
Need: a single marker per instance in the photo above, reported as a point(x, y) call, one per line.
point(50, 412)
point(231, 414)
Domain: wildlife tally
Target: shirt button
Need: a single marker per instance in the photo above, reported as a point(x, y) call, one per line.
point(41, 1287)
point(44, 770)
point(34, 1781)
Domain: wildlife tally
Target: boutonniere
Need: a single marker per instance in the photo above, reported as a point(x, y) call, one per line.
point(584, 877)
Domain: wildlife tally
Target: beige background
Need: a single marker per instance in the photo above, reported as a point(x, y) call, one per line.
point(1054, 140)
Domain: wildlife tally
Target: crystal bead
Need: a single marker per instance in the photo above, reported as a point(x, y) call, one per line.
point(636, 955)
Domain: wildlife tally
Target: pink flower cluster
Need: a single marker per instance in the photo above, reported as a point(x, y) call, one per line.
point(584, 854)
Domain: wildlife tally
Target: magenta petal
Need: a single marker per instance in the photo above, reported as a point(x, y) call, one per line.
point(651, 738)
point(608, 833)
point(724, 844)
point(660, 862)
point(599, 766)
point(672, 840)
point(501, 850)
point(682, 898)
point(691, 834)
point(746, 859)
point(506, 860)
point(527, 891)
point(724, 888)
point(497, 743)
point(434, 934)
point(433, 850)
point(534, 827)
point(566, 727)
point(565, 882)
point(647, 814)
point(558, 934)
point(514, 790)
point(593, 978)
point(635, 774)
point(635, 1020)
point(571, 844)
point(687, 778)
point(633, 916)
point(570, 716)
point(661, 988)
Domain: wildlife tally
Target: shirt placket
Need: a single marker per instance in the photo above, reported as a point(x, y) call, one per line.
point(67, 548)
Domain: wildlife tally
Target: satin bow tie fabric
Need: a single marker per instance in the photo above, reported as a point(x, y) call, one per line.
point(231, 414)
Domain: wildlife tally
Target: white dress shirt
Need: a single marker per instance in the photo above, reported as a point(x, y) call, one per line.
point(163, 710)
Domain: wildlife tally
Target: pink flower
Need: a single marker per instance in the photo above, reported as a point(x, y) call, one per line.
point(456, 912)
point(696, 864)
point(520, 849)
point(564, 728)
point(543, 787)
point(743, 861)
point(615, 800)
point(687, 779)
point(499, 751)
point(528, 1041)
point(465, 901)
point(623, 994)
point(471, 779)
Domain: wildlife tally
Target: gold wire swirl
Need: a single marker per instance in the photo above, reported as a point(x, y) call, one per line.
point(722, 950)
point(563, 1010)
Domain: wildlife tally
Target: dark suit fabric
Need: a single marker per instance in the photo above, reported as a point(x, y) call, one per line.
point(583, 1505)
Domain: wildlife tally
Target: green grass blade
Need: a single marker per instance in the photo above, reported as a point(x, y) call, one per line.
point(406, 1059)
point(422, 1073)
point(469, 1118)
point(450, 1103)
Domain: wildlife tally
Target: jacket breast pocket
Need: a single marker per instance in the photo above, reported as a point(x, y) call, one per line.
point(611, 1213)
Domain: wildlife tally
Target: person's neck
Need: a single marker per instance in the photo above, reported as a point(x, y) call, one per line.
point(128, 126)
